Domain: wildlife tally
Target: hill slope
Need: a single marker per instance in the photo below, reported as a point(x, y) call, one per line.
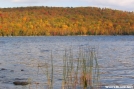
point(29, 21)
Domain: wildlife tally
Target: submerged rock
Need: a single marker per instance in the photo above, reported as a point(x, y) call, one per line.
point(21, 83)
point(3, 69)
point(22, 70)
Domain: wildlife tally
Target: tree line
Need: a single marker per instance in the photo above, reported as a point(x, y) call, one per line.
point(62, 21)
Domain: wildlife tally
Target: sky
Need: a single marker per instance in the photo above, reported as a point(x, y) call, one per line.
point(125, 5)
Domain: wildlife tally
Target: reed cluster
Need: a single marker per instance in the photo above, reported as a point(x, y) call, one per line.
point(79, 69)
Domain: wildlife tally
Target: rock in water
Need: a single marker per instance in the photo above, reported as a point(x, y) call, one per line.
point(21, 83)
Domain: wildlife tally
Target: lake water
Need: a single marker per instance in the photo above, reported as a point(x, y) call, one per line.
point(20, 57)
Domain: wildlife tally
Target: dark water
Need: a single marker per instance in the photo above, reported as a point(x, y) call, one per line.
point(20, 56)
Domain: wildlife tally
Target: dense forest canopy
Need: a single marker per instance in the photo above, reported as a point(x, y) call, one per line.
point(46, 21)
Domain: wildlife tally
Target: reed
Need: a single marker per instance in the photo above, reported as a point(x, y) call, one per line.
point(80, 69)
point(51, 87)
point(83, 72)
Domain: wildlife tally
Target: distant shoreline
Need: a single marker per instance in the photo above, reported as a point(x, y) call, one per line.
point(64, 35)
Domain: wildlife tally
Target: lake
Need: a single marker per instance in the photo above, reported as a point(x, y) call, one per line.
point(20, 58)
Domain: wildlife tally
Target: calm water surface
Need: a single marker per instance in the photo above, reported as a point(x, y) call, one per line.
point(20, 56)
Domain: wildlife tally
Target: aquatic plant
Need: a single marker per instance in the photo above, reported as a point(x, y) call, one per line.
point(79, 70)
point(84, 71)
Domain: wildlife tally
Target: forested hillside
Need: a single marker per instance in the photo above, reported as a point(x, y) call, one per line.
point(37, 21)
